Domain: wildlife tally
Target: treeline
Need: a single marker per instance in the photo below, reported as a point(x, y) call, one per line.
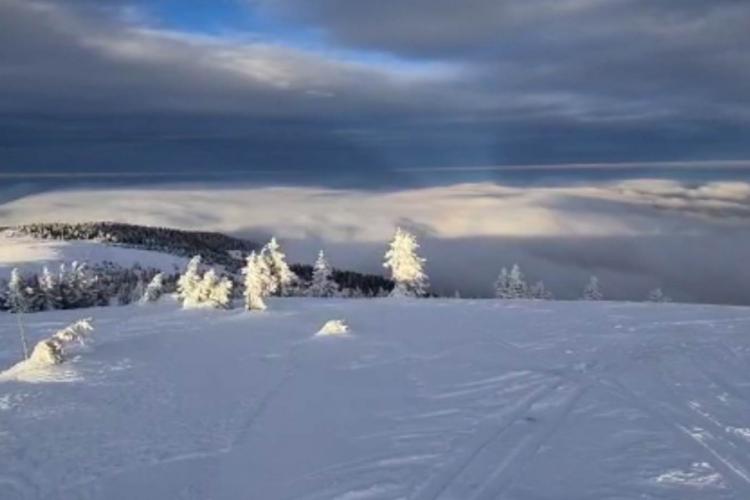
point(217, 248)
point(349, 282)
point(214, 249)
point(77, 285)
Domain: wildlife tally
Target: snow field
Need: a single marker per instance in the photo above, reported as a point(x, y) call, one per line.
point(430, 399)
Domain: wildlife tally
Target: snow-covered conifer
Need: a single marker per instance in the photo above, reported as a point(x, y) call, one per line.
point(502, 285)
point(283, 278)
point(592, 291)
point(215, 292)
point(322, 279)
point(50, 290)
point(407, 267)
point(518, 283)
point(540, 292)
point(258, 282)
point(154, 290)
point(511, 285)
point(189, 282)
point(657, 295)
point(18, 298)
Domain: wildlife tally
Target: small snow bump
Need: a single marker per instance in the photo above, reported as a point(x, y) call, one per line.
point(332, 328)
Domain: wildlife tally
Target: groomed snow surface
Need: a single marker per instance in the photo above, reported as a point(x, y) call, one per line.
point(423, 399)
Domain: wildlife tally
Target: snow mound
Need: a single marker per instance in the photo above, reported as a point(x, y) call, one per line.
point(332, 328)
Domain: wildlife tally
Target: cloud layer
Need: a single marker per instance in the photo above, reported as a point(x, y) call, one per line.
point(690, 239)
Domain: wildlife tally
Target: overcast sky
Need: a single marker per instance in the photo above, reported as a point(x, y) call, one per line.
point(571, 136)
point(362, 88)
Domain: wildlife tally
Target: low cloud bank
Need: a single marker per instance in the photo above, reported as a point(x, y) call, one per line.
point(690, 239)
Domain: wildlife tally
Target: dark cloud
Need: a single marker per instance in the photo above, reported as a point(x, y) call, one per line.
point(89, 85)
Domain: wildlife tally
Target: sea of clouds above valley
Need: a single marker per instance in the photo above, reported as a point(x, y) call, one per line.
point(690, 238)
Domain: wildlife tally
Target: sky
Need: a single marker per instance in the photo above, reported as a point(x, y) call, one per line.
point(571, 136)
point(356, 91)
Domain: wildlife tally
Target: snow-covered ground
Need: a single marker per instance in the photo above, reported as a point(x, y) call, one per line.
point(30, 254)
point(430, 399)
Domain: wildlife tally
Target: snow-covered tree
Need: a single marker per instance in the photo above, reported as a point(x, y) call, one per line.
point(407, 267)
point(207, 290)
point(50, 290)
point(322, 284)
point(258, 282)
point(51, 351)
point(657, 295)
point(592, 291)
point(215, 291)
point(78, 285)
point(19, 300)
point(154, 290)
point(189, 282)
point(540, 292)
point(511, 285)
point(283, 278)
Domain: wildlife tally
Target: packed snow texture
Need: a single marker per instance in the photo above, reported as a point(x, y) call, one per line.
point(432, 399)
point(31, 254)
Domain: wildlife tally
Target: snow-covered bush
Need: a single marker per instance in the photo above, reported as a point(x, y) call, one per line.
point(511, 285)
point(657, 295)
point(154, 290)
point(592, 291)
point(322, 284)
point(258, 282)
point(51, 351)
point(407, 267)
point(333, 327)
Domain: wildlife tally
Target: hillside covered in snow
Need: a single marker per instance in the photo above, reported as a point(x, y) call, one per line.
point(419, 399)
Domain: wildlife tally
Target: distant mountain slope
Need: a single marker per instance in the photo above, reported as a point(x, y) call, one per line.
point(215, 248)
point(31, 245)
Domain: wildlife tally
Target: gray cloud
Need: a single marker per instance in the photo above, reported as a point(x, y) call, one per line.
point(481, 82)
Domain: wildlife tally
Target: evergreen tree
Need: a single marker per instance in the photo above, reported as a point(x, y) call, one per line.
point(657, 295)
point(18, 293)
point(214, 291)
point(50, 289)
point(540, 292)
point(154, 290)
point(189, 282)
point(406, 266)
point(282, 276)
point(502, 285)
point(258, 282)
point(322, 284)
point(592, 290)
point(511, 285)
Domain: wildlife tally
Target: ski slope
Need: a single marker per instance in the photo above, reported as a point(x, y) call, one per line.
point(420, 400)
point(30, 254)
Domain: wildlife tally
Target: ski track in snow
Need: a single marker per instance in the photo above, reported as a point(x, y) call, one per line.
point(430, 400)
